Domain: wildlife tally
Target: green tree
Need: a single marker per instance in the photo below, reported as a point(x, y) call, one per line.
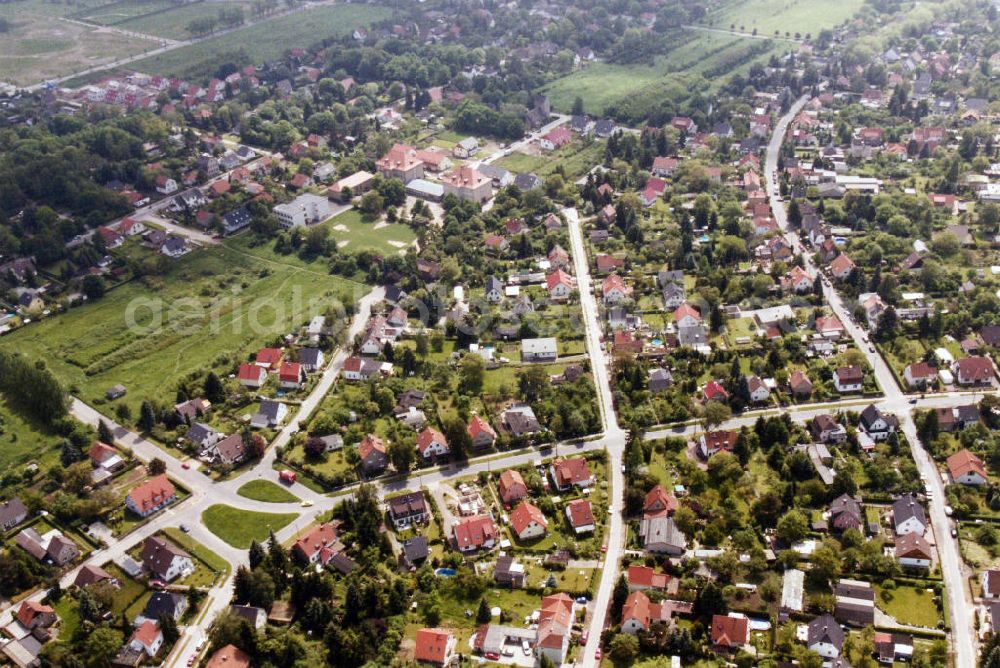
point(793, 526)
point(147, 417)
point(104, 434)
point(618, 597)
point(214, 391)
point(483, 615)
point(624, 647)
point(101, 646)
point(156, 466)
point(471, 375)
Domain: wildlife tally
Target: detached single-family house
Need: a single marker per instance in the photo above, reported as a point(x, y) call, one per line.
point(568, 473)
point(825, 636)
point(966, 468)
point(511, 487)
point(581, 516)
point(848, 378)
point(913, 551)
point(165, 560)
point(432, 444)
point(252, 375)
point(151, 496)
point(475, 533)
point(528, 522)
point(539, 350)
point(908, 516)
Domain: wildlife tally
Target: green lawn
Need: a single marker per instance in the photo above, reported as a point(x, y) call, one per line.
point(173, 24)
point(261, 42)
point(208, 567)
point(576, 159)
point(266, 491)
point(105, 13)
point(23, 441)
point(240, 527)
point(69, 615)
point(211, 309)
point(910, 605)
point(803, 16)
point(127, 594)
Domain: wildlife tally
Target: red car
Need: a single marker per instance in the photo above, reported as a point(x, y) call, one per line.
point(597, 654)
point(185, 465)
point(492, 656)
point(158, 584)
point(604, 548)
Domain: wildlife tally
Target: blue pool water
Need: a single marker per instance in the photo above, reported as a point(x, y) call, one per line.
point(445, 572)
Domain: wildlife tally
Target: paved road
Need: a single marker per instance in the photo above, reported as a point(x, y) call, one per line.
point(560, 119)
point(959, 601)
point(613, 439)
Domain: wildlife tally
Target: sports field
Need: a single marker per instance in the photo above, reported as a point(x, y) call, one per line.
point(214, 306)
point(353, 234)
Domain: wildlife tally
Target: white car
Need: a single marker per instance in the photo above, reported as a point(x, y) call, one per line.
point(526, 647)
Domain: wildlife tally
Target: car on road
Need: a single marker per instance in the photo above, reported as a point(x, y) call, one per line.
point(604, 548)
point(201, 644)
point(191, 659)
point(583, 638)
point(185, 465)
point(954, 532)
point(526, 647)
point(871, 349)
point(157, 584)
point(913, 401)
point(582, 600)
point(306, 504)
point(492, 656)
point(185, 528)
point(597, 654)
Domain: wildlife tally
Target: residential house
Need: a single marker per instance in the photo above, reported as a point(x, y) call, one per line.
point(848, 378)
point(658, 503)
point(642, 578)
point(475, 533)
point(408, 509)
point(660, 380)
point(759, 392)
point(317, 545)
point(825, 636)
point(712, 442)
point(35, 615)
point(91, 575)
point(528, 522)
point(229, 656)
point(913, 551)
point(254, 616)
point(555, 623)
point(919, 375)
point(845, 513)
point(373, 454)
point(164, 603)
point(511, 487)
point(581, 516)
point(539, 350)
point(291, 376)
point(908, 516)
point(228, 451)
point(165, 560)
point(729, 632)
point(311, 359)
point(841, 267)
point(431, 444)
point(509, 573)
point(435, 646)
point(559, 284)
point(147, 638)
point(481, 433)
point(556, 138)
point(520, 420)
point(973, 371)
point(800, 385)
point(825, 429)
point(152, 495)
point(660, 535)
point(270, 414)
point(966, 468)
point(614, 289)
point(639, 613)
point(466, 148)
point(877, 424)
point(12, 513)
point(252, 375)
point(568, 473)
point(990, 581)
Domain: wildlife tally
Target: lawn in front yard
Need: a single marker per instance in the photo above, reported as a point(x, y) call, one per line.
point(266, 491)
point(211, 566)
point(241, 527)
point(912, 606)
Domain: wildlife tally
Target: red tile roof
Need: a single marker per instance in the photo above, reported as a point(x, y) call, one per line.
point(644, 576)
point(659, 502)
point(526, 513)
point(571, 471)
point(475, 532)
point(152, 493)
point(478, 425)
point(580, 513)
point(323, 535)
point(428, 437)
point(291, 372)
point(432, 645)
point(369, 444)
point(229, 656)
point(512, 487)
point(964, 462)
point(730, 631)
point(31, 609)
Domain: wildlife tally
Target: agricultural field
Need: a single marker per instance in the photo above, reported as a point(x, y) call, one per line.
point(263, 41)
point(42, 45)
point(111, 13)
point(793, 16)
point(211, 308)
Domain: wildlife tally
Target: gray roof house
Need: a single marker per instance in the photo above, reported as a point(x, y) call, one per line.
point(660, 380)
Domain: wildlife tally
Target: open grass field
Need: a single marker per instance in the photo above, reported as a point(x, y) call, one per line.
point(110, 13)
point(39, 46)
point(353, 234)
point(241, 527)
point(22, 441)
point(601, 84)
point(212, 304)
point(173, 24)
point(576, 159)
point(802, 16)
point(263, 41)
point(910, 605)
point(266, 491)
